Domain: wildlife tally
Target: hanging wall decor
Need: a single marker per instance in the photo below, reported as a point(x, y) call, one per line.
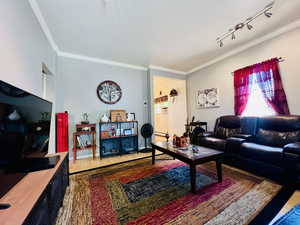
point(109, 92)
point(207, 98)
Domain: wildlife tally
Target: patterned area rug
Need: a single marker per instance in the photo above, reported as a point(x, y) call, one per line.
point(139, 193)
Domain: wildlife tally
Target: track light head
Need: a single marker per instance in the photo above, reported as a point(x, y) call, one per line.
point(233, 36)
point(239, 26)
point(221, 44)
point(249, 26)
point(268, 14)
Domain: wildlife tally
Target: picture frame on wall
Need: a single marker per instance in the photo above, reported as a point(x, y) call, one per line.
point(207, 98)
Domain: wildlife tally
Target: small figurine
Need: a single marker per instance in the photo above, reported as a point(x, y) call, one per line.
point(104, 118)
point(85, 119)
point(167, 137)
point(113, 131)
point(174, 139)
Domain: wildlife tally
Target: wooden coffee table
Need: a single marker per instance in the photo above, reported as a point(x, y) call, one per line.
point(190, 157)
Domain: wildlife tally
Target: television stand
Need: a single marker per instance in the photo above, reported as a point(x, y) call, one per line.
point(4, 206)
point(37, 197)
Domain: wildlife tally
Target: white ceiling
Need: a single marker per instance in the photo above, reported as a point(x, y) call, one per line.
point(175, 34)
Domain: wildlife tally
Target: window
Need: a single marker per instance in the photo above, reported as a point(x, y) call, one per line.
point(258, 90)
point(257, 105)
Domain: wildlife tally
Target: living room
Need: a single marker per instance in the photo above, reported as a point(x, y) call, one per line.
point(65, 52)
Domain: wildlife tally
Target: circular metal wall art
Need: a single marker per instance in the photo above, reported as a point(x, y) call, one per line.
point(109, 92)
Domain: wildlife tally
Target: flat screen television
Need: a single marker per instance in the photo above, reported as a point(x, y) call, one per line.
point(25, 121)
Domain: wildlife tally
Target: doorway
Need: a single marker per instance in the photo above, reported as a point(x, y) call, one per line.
point(48, 84)
point(170, 111)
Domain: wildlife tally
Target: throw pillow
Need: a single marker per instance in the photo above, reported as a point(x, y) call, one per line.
point(276, 138)
point(223, 132)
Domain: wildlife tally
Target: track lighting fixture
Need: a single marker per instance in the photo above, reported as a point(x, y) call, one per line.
point(249, 26)
point(221, 44)
point(233, 36)
point(268, 14)
point(231, 32)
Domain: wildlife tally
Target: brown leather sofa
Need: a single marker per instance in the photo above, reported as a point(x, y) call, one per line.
point(267, 146)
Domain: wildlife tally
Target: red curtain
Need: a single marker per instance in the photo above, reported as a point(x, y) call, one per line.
point(269, 80)
point(242, 87)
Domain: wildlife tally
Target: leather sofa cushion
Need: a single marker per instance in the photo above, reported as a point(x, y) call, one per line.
point(267, 154)
point(222, 132)
point(293, 148)
point(276, 138)
point(213, 142)
point(280, 123)
point(229, 121)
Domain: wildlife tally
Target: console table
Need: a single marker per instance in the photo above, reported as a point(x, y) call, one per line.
point(37, 197)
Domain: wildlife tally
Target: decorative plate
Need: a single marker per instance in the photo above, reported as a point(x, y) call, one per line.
point(212, 97)
point(201, 99)
point(109, 92)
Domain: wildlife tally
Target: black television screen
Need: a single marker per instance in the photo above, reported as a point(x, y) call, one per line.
point(24, 124)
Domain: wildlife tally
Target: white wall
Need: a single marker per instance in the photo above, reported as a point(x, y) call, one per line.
point(23, 48)
point(77, 84)
point(219, 75)
point(173, 122)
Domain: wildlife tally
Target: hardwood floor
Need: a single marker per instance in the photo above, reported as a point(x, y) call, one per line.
point(89, 163)
point(293, 201)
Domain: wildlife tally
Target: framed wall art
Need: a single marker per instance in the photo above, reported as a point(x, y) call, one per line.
point(207, 98)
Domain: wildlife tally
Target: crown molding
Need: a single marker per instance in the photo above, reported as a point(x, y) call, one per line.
point(98, 60)
point(36, 9)
point(278, 32)
point(37, 12)
point(153, 67)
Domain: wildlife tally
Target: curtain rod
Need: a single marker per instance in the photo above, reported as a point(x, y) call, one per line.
point(280, 59)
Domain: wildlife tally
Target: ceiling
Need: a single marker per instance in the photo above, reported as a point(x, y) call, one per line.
point(174, 34)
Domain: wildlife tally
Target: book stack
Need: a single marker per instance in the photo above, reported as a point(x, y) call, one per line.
point(84, 141)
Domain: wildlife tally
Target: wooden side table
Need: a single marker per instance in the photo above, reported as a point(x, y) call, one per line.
point(87, 130)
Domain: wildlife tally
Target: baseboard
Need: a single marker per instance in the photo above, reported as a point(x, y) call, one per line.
point(91, 154)
point(114, 164)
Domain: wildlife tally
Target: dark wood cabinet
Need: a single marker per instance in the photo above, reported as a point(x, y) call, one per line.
point(37, 198)
point(40, 213)
point(46, 209)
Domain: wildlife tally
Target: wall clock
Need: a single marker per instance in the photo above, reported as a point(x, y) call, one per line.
point(109, 92)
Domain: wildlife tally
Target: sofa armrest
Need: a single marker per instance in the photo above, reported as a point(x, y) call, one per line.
point(243, 136)
point(233, 144)
point(293, 148)
point(291, 159)
point(206, 134)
